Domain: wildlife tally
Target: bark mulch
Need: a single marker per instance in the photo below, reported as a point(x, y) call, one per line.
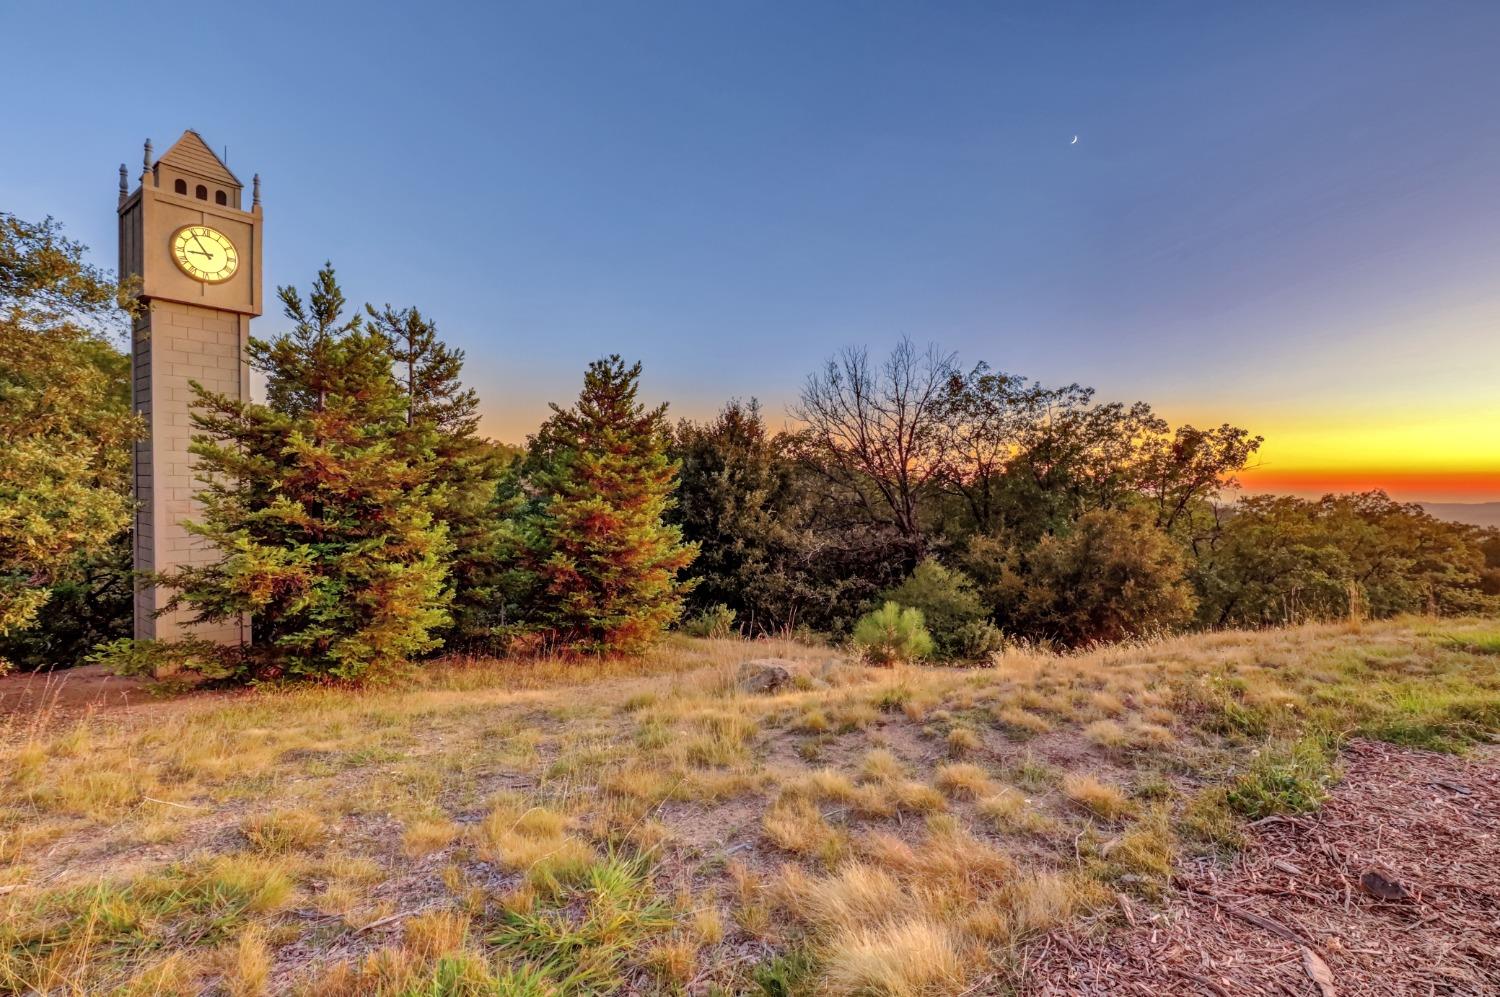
point(1392, 888)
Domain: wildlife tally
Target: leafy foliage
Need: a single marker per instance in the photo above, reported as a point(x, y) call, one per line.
point(65, 467)
point(716, 621)
point(952, 609)
point(362, 519)
point(1280, 559)
point(465, 469)
point(1285, 778)
point(773, 548)
point(1112, 577)
point(164, 661)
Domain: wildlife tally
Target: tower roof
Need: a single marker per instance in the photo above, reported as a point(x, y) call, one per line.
point(191, 154)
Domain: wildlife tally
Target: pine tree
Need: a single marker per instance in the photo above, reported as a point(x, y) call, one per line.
point(318, 504)
point(442, 419)
point(606, 562)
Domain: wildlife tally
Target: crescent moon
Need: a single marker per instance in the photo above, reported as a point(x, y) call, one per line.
point(1075, 140)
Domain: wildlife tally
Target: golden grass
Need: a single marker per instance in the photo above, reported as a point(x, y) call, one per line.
point(961, 742)
point(533, 840)
point(795, 824)
point(1008, 809)
point(905, 843)
point(917, 956)
point(248, 971)
point(423, 837)
point(673, 962)
point(963, 780)
point(857, 894)
point(1095, 796)
point(881, 765)
point(284, 831)
point(436, 933)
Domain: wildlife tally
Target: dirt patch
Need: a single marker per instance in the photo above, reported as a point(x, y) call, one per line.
point(1292, 904)
point(88, 687)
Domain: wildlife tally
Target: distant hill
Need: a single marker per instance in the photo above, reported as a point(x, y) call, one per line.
point(1473, 513)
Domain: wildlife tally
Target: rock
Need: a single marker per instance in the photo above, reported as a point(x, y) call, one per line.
point(761, 676)
point(1382, 886)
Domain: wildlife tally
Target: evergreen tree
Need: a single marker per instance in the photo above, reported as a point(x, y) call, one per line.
point(442, 419)
point(318, 504)
point(605, 561)
point(767, 550)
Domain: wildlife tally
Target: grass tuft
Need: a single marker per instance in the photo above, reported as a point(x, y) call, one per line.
point(914, 956)
point(1098, 798)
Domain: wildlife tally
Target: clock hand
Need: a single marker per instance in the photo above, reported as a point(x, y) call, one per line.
point(200, 247)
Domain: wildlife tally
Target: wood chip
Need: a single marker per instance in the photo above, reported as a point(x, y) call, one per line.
point(1238, 928)
point(1318, 971)
point(1274, 927)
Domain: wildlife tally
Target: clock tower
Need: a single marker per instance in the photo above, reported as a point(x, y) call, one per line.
point(196, 253)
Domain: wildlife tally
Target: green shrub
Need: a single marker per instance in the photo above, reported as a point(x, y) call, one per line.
point(785, 975)
point(893, 633)
point(1112, 576)
point(715, 621)
point(166, 661)
point(952, 609)
point(1285, 778)
point(977, 640)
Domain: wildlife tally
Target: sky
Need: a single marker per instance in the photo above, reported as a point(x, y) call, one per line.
point(1281, 215)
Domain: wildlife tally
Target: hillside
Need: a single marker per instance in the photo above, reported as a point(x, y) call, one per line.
point(1472, 513)
point(503, 827)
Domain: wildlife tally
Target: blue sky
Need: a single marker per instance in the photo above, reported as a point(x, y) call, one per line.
point(1283, 215)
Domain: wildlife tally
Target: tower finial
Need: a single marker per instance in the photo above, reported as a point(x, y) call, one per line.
point(124, 184)
point(255, 191)
point(146, 160)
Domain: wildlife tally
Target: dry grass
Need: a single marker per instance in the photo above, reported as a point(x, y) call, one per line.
point(593, 827)
point(795, 824)
point(1009, 810)
point(1095, 796)
point(284, 831)
point(435, 934)
point(964, 780)
point(249, 969)
point(911, 957)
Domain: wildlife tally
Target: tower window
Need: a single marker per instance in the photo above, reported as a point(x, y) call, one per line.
point(180, 187)
point(202, 192)
point(220, 197)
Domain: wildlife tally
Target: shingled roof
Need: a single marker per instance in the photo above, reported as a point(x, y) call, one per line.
point(192, 155)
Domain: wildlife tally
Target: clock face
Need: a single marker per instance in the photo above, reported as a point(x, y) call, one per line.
point(205, 254)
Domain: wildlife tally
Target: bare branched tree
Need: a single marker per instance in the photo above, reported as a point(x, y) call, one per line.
point(877, 433)
point(982, 422)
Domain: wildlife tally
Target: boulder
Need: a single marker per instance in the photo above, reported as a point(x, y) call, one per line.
point(761, 676)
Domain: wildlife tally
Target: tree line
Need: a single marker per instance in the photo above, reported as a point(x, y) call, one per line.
point(363, 522)
point(1005, 506)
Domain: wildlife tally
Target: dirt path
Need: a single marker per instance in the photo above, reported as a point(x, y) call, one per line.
point(1293, 907)
point(69, 690)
